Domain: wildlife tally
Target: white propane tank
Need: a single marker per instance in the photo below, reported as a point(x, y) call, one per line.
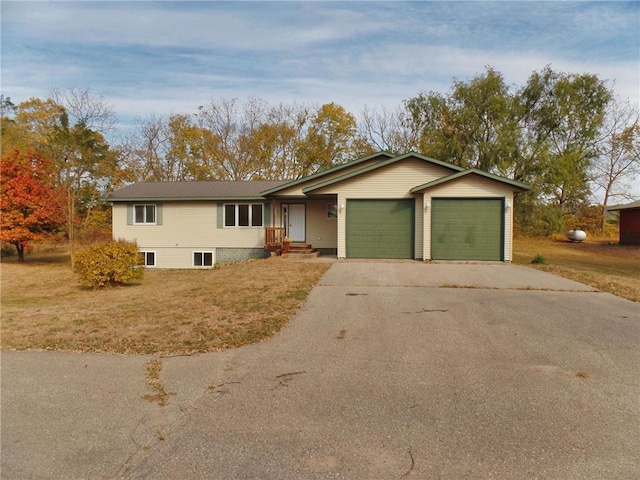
point(576, 235)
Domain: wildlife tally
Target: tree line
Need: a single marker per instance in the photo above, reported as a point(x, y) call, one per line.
point(566, 134)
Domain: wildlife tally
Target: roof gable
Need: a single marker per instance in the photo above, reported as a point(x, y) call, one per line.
point(379, 165)
point(472, 171)
point(329, 171)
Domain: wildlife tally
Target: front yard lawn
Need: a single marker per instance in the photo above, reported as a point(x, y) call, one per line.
point(170, 312)
point(605, 265)
point(187, 311)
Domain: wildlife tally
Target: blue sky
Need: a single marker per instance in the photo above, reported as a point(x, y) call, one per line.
point(170, 57)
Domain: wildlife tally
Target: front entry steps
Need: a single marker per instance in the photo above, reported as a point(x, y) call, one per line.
point(301, 250)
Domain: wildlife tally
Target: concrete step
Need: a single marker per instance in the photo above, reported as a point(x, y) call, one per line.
point(300, 246)
point(295, 254)
point(301, 250)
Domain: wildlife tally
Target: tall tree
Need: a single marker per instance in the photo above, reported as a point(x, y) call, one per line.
point(389, 130)
point(618, 160)
point(474, 126)
point(430, 120)
point(230, 128)
point(563, 114)
point(82, 158)
point(86, 108)
point(329, 140)
point(29, 199)
point(34, 122)
point(273, 144)
point(545, 133)
point(146, 148)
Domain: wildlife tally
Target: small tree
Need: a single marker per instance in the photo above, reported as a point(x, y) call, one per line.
point(29, 203)
point(109, 264)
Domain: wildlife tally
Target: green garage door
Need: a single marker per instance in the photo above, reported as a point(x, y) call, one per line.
point(380, 228)
point(467, 229)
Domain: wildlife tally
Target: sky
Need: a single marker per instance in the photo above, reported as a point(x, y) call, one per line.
point(171, 57)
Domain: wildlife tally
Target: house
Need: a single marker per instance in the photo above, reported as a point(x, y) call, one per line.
point(629, 222)
point(379, 206)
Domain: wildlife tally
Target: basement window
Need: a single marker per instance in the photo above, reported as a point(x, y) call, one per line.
point(203, 259)
point(148, 259)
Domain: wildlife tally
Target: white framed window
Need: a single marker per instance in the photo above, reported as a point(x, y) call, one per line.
point(243, 214)
point(203, 259)
point(144, 214)
point(147, 258)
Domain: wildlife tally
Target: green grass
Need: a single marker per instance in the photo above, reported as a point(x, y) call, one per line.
point(607, 266)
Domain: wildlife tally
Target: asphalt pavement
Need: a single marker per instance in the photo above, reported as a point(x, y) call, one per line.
point(390, 370)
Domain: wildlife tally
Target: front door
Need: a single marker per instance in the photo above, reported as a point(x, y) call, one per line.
point(293, 215)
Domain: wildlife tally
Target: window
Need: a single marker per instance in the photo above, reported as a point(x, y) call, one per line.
point(332, 211)
point(203, 259)
point(243, 215)
point(144, 214)
point(148, 259)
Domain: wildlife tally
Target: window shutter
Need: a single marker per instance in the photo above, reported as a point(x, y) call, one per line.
point(220, 215)
point(266, 219)
point(158, 214)
point(129, 213)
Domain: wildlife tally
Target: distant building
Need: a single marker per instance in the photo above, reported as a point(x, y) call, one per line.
point(629, 222)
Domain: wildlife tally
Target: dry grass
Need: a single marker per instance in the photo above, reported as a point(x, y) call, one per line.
point(186, 311)
point(608, 267)
point(160, 395)
point(171, 311)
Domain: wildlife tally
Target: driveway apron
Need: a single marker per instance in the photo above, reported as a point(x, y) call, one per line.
point(390, 370)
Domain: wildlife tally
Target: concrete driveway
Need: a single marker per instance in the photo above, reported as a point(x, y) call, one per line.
point(390, 370)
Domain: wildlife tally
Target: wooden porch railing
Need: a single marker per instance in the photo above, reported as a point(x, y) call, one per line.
point(274, 236)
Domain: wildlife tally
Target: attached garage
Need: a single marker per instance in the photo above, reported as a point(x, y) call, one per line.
point(380, 228)
point(384, 211)
point(467, 229)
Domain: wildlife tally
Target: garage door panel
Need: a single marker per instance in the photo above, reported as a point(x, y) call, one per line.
point(380, 228)
point(467, 229)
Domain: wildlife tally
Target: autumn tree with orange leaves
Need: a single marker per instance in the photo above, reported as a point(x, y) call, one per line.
point(30, 205)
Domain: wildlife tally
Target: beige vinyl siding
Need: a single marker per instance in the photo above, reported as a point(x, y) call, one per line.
point(297, 189)
point(419, 235)
point(320, 231)
point(177, 257)
point(470, 187)
point(186, 227)
point(394, 181)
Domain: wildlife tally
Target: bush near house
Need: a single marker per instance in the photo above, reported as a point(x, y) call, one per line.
point(109, 264)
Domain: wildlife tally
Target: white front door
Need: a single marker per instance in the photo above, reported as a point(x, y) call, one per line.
point(293, 215)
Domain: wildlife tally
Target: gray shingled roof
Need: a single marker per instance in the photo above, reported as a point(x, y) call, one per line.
point(193, 190)
point(628, 206)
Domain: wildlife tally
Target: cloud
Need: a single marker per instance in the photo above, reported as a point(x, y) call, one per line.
point(170, 57)
point(240, 26)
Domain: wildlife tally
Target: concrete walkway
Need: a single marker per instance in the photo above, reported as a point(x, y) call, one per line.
point(390, 370)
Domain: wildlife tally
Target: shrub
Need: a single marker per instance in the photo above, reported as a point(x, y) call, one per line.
point(538, 259)
point(7, 250)
point(109, 264)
